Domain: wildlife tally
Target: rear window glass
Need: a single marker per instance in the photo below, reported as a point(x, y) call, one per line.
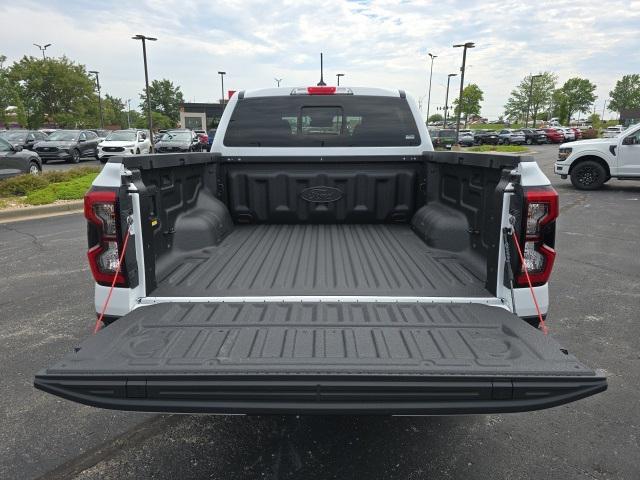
point(322, 121)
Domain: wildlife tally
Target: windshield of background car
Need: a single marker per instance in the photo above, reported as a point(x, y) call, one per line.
point(4, 145)
point(322, 121)
point(447, 133)
point(121, 136)
point(14, 136)
point(176, 137)
point(64, 136)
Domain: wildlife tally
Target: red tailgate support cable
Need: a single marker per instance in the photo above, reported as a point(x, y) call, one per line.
point(99, 323)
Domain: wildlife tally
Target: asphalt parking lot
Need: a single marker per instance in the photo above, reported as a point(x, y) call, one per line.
point(46, 308)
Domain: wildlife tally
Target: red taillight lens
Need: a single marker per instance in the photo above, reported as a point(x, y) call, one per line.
point(540, 212)
point(321, 90)
point(100, 210)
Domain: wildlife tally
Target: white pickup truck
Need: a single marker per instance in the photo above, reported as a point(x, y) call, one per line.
point(591, 163)
point(322, 258)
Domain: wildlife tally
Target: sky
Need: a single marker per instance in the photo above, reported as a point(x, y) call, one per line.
point(373, 42)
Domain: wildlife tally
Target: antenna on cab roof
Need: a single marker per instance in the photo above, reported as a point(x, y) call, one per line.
point(321, 82)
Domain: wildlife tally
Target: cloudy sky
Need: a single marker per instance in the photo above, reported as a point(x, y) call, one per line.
point(374, 42)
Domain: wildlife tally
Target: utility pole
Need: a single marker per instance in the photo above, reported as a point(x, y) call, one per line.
point(321, 82)
point(603, 107)
point(433, 57)
point(338, 75)
point(97, 74)
point(222, 74)
point(278, 80)
point(43, 48)
point(128, 113)
point(526, 121)
point(146, 81)
point(446, 98)
point(464, 61)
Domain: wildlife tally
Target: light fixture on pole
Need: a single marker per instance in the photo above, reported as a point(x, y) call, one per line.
point(465, 46)
point(278, 80)
point(146, 82)
point(43, 48)
point(222, 74)
point(97, 74)
point(526, 121)
point(446, 98)
point(433, 57)
point(338, 75)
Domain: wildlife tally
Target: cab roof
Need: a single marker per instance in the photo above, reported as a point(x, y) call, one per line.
point(286, 91)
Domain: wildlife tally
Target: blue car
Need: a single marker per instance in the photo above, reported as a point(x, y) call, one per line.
point(211, 134)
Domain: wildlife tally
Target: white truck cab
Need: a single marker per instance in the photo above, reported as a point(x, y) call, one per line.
point(591, 163)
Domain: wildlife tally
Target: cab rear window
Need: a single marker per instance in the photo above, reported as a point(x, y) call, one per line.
point(322, 121)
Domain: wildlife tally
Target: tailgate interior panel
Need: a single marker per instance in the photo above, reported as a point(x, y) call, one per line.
point(403, 358)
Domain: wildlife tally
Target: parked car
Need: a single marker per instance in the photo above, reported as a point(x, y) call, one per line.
point(611, 132)
point(591, 163)
point(124, 142)
point(577, 132)
point(534, 136)
point(466, 139)
point(16, 161)
point(25, 138)
point(444, 138)
point(554, 135)
point(489, 137)
point(179, 140)
point(508, 136)
point(211, 134)
point(101, 133)
point(158, 136)
point(569, 134)
point(363, 279)
point(68, 145)
point(203, 138)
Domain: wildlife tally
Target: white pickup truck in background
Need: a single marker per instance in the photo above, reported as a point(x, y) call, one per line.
point(592, 163)
point(322, 258)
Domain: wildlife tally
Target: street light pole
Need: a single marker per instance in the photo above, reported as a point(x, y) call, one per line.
point(433, 57)
point(338, 75)
point(464, 46)
point(97, 74)
point(222, 74)
point(278, 80)
point(446, 98)
point(128, 113)
point(526, 120)
point(43, 48)
point(146, 81)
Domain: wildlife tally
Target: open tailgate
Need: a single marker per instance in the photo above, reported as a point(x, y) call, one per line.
point(342, 358)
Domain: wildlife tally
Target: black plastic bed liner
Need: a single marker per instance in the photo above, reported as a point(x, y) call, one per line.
point(352, 259)
point(335, 358)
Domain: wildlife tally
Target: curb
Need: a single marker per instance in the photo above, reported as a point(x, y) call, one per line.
point(19, 214)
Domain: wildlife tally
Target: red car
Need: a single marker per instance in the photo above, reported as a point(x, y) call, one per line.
point(578, 132)
point(553, 135)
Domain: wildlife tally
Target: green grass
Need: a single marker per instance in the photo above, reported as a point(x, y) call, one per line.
point(498, 148)
point(46, 188)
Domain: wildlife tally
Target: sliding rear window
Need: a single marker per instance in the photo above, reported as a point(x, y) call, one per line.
point(322, 121)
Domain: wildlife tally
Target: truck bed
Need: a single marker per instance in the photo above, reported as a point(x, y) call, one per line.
point(347, 259)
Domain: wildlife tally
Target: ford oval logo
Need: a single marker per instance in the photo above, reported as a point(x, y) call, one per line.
point(321, 194)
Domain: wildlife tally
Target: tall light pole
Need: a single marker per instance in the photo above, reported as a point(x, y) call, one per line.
point(446, 98)
point(321, 82)
point(278, 80)
point(433, 57)
point(97, 74)
point(222, 74)
point(43, 48)
point(338, 75)
point(526, 120)
point(146, 82)
point(603, 108)
point(128, 113)
point(464, 61)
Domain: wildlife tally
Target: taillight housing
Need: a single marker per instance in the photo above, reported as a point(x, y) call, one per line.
point(541, 208)
point(101, 212)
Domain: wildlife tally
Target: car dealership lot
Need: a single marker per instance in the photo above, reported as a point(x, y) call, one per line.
point(46, 309)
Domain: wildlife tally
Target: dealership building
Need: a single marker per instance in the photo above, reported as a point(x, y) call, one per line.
point(200, 116)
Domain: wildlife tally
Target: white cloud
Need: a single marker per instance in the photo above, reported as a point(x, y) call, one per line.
point(377, 42)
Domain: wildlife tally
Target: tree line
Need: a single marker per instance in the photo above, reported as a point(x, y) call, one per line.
point(60, 92)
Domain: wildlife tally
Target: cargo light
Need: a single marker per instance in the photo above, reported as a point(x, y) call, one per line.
point(540, 212)
point(101, 212)
point(321, 90)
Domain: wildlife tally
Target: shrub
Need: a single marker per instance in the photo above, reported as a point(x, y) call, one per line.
point(69, 190)
point(25, 184)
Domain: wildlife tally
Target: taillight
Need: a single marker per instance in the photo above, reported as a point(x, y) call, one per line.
point(101, 211)
point(538, 238)
point(321, 90)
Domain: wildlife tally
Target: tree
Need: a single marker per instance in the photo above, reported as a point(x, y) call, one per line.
point(626, 93)
point(165, 98)
point(9, 96)
point(472, 95)
point(160, 121)
point(113, 110)
point(436, 117)
point(531, 97)
point(576, 95)
point(57, 90)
